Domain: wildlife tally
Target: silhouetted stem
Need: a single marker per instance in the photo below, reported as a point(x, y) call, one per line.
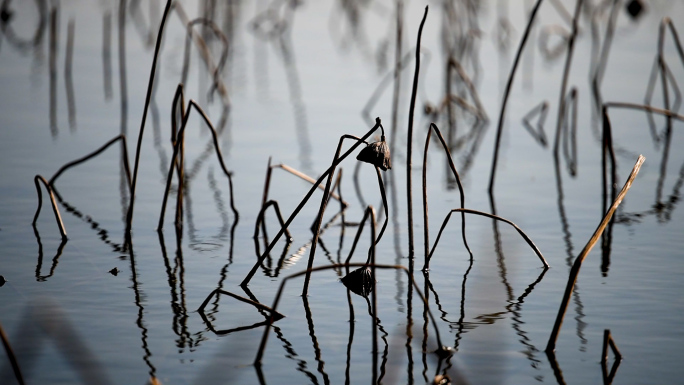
point(381, 184)
point(176, 150)
point(257, 305)
point(37, 180)
point(507, 92)
point(153, 70)
point(260, 218)
point(566, 74)
point(574, 271)
point(324, 203)
point(368, 213)
point(608, 341)
point(95, 153)
point(276, 301)
point(492, 216)
point(309, 179)
point(433, 127)
point(12, 358)
point(299, 207)
point(409, 141)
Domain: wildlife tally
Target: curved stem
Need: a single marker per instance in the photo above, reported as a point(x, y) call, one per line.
point(492, 216)
point(428, 254)
point(176, 150)
point(37, 180)
point(299, 207)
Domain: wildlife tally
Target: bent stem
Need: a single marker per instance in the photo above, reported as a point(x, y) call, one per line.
point(93, 154)
point(299, 207)
point(272, 318)
point(260, 218)
point(492, 216)
point(409, 140)
point(148, 97)
point(324, 202)
point(257, 305)
point(368, 213)
point(58, 217)
point(574, 272)
point(12, 358)
point(176, 150)
point(507, 92)
point(428, 254)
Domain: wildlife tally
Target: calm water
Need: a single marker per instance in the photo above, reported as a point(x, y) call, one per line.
point(296, 79)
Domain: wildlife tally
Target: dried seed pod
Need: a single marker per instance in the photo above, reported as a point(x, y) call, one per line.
point(360, 281)
point(377, 154)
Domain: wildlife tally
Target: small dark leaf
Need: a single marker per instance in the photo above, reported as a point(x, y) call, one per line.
point(360, 281)
point(114, 271)
point(377, 154)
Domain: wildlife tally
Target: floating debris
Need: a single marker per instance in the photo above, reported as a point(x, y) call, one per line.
point(114, 271)
point(2, 280)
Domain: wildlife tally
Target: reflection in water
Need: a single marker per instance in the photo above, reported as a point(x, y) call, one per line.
point(138, 295)
point(54, 41)
point(314, 341)
point(215, 241)
point(567, 237)
point(68, 77)
point(460, 107)
point(44, 321)
point(55, 260)
point(176, 279)
point(107, 54)
point(123, 83)
point(275, 25)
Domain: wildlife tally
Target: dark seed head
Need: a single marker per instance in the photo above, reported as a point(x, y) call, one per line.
point(377, 154)
point(360, 281)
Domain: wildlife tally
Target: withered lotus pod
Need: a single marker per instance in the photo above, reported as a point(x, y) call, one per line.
point(377, 154)
point(360, 281)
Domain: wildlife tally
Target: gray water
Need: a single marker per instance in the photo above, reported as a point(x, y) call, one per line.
point(291, 96)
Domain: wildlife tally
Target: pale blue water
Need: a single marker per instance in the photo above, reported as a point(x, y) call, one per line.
point(69, 320)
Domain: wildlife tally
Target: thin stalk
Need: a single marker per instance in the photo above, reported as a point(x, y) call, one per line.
point(307, 178)
point(176, 150)
point(574, 272)
point(409, 150)
point(507, 92)
point(299, 207)
point(95, 153)
point(260, 218)
point(492, 216)
point(276, 301)
point(37, 180)
point(324, 203)
point(257, 305)
point(608, 341)
point(12, 358)
point(381, 184)
point(428, 254)
point(566, 74)
point(153, 70)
